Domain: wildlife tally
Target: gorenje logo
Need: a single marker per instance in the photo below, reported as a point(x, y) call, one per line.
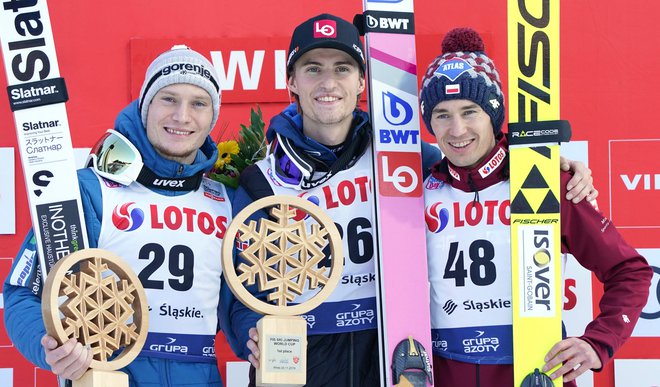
point(186, 68)
point(325, 29)
point(21, 274)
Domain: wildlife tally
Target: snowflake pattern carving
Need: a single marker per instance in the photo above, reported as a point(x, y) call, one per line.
point(98, 309)
point(282, 255)
point(94, 296)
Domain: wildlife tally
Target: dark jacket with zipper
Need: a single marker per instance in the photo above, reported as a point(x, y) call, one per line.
point(338, 359)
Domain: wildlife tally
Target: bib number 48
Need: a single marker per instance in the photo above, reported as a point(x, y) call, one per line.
point(482, 270)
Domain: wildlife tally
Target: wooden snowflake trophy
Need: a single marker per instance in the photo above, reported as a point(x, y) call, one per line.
point(286, 256)
point(93, 296)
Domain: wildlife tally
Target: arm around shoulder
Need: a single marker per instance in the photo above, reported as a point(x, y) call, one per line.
point(595, 242)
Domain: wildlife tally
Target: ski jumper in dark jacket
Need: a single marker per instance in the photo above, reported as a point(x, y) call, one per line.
point(342, 336)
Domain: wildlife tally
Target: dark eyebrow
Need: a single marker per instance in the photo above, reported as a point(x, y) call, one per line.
point(338, 63)
point(441, 110)
point(198, 94)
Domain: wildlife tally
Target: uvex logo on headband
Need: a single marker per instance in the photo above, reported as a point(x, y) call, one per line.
point(185, 68)
point(325, 29)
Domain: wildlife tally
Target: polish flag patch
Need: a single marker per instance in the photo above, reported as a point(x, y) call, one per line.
point(453, 89)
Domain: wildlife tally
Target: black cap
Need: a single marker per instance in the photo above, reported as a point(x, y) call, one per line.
point(325, 31)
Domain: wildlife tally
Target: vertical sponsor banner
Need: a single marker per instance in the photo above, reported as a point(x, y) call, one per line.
point(533, 42)
point(403, 297)
point(36, 96)
point(7, 192)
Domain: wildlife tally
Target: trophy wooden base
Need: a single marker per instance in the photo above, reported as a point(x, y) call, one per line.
point(283, 351)
point(102, 378)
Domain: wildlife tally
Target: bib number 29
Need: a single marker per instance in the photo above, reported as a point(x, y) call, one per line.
point(180, 262)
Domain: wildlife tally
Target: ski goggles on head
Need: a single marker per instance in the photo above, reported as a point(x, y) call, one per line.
point(115, 158)
point(296, 170)
point(286, 171)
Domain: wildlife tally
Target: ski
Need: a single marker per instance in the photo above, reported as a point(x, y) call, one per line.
point(534, 135)
point(37, 95)
point(403, 292)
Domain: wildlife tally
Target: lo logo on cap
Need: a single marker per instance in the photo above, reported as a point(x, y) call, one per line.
point(325, 29)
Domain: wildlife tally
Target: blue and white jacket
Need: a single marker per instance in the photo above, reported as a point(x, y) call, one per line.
point(23, 320)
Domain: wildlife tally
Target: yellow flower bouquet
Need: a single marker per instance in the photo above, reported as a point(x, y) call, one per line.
point(235, 155)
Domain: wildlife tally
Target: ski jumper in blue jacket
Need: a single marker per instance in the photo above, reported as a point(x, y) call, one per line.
point(23, 320)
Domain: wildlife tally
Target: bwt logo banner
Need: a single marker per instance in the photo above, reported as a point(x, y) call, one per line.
point(634, 183)
point(390, 22)
point(397, 120)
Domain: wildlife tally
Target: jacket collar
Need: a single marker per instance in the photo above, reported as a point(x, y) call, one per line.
point(493, 169)
point(288, 124)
